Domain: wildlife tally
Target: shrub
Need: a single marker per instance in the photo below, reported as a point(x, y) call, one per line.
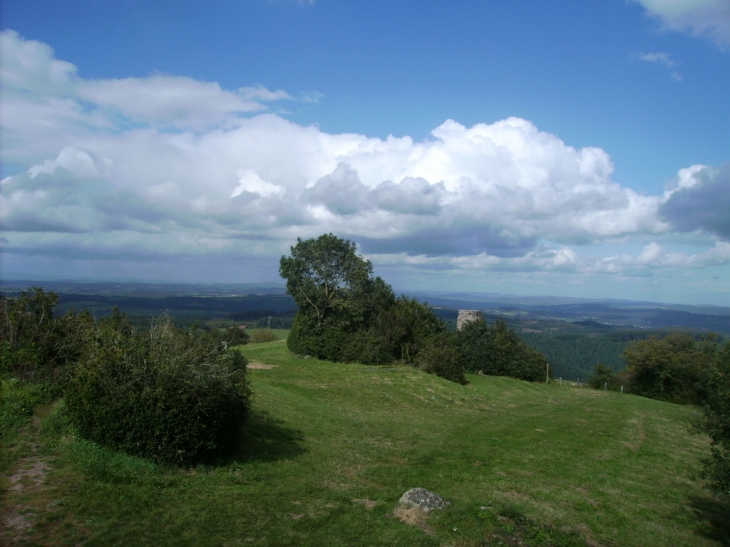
point(672, 368)
point(293, 340)
point(601, 376)
point(498, 351)
point(622, 380)
point(35, 346)
point(440, 358)
point(235, 336)
point(173, 396)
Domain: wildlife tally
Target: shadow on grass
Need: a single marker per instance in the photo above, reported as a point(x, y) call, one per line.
point(713, 516)
point(268, 439)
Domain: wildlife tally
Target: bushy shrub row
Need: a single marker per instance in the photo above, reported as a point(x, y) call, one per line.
point(439, 357)
point(673, 368)
point(233, 336)
point(345, 314)
point(601, 377)
point(175, 396)
point(392, 329)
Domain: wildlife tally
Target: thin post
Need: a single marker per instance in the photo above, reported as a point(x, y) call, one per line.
point(547, 373)
point(622, 389)
point(605, 386)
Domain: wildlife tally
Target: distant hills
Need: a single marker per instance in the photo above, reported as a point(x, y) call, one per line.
point(146, 289)
point(574, 333)
point(520, 311)
point(598, 313)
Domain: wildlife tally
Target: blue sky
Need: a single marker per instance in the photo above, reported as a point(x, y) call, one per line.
point(570, 148)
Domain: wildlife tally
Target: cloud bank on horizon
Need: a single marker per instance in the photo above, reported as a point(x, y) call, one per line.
point(172, 168)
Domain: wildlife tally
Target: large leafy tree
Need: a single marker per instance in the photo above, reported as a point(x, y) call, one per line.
point(338, 298)
point(327, 279)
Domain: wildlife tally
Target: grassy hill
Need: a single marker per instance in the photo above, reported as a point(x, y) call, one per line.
point(332, 447)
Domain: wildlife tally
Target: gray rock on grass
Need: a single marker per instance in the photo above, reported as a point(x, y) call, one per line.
point(424, 499)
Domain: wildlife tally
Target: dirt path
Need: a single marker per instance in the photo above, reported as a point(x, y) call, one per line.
point(27, 482)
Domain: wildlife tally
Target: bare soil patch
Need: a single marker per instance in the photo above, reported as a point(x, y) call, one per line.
point(260, 366)
point(413, 516)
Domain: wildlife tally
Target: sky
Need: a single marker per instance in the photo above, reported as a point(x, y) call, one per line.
point(566, 148)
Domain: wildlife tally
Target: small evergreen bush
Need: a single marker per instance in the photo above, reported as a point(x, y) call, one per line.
point(178, 397)
point(440, 358)
point(293, 340)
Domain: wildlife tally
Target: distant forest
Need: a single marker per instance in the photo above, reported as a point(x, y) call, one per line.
point(573, 356)
point(574, 338)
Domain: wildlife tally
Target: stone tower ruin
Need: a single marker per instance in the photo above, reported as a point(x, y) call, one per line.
point(467, 316)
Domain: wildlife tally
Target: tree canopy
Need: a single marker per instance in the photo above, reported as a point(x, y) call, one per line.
point(327, 278)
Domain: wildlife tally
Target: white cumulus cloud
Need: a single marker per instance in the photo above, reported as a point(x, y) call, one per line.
point(661, 58)
point(250, 182)
point(708, 18)
point(170, 166)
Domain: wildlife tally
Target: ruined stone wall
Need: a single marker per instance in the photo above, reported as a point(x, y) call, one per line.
point(467, 316)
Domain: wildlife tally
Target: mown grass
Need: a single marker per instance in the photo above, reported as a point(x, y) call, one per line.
point(330, 449)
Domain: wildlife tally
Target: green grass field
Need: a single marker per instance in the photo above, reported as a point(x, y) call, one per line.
point(332, 447)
